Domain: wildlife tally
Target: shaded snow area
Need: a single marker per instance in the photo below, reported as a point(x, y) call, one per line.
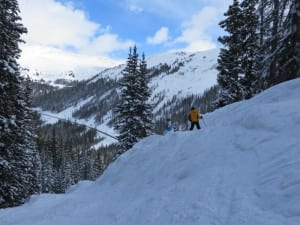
point(241, 168)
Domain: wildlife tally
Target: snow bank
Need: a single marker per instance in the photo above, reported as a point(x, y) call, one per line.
point(242, 168)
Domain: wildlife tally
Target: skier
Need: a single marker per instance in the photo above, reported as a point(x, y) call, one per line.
point(194, 117)
point(175, 127)
point(168, 125)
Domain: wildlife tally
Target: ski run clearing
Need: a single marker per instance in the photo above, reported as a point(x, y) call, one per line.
point(241, 168)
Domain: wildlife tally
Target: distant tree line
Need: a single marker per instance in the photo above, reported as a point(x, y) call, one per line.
point(68, 155)
point(57, 100)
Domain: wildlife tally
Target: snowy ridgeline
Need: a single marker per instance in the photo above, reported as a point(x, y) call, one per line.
point(242, 168)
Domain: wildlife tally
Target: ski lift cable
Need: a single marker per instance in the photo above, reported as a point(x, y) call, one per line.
point(102, 132)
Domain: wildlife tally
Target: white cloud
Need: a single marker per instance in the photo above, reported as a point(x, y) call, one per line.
point(159, 37)
point(135, 8)
point(177, 8)
point(107, 43)
point(52, 23)
point(169, 8)
point(201, 18)
point(195, 31)
point(54, 61)
point(68, 32)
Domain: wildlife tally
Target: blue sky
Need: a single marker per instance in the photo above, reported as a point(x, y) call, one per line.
point(66, 33)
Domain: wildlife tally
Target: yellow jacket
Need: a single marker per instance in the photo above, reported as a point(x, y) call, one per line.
point(194, 115)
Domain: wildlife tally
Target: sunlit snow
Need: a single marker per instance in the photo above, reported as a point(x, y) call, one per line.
point(241, 168)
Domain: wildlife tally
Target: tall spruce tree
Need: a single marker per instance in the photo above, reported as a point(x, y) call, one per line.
point(289, 46)
point(133, 113)
point(125, 117)
point(144, 108)
point(30, 140)
point(279, 35)
point(17, 154)
point(250, 49)
point(229, 60)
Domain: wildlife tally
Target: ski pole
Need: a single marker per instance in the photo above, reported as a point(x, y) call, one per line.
point(204, 121)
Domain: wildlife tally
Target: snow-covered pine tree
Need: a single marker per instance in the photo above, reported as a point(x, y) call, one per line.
point(133, 107)
point(144, 108)
point(125, 111)
point(55, 149)
point(272, 14)
point(30, 138)
point(68, 163)
point(249, 61)
point(16, 153)
point(48, 173)
point(229, 60)
point(289, 46)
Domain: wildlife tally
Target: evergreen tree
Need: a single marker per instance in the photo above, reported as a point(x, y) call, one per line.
point(289, 47)
point(126, 122)
point(272, 40)
point(144, 108)
point(48, 173)
point(55, 150)
point(69, 165)
point(279, 26)
point(131, 119)
point(17, 153)
point(229, 60)
point(30, 141)
point(250, 49)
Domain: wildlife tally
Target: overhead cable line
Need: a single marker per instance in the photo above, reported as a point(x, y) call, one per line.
point(102, 132)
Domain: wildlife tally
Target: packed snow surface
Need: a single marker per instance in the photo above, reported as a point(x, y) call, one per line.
point(241, 168)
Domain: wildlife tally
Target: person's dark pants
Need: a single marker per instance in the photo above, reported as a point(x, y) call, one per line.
point(193, 124)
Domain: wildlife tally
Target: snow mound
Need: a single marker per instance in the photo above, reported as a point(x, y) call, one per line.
point(241, 168)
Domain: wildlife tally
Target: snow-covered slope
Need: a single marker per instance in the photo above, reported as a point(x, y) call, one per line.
point(241, 168)
point(187, 73)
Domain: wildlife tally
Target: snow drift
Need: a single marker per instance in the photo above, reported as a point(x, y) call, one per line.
point(241, 168)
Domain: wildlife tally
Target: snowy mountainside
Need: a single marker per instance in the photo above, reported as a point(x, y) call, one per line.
point(176, 73)
point(173, 77)
point(241, 168)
